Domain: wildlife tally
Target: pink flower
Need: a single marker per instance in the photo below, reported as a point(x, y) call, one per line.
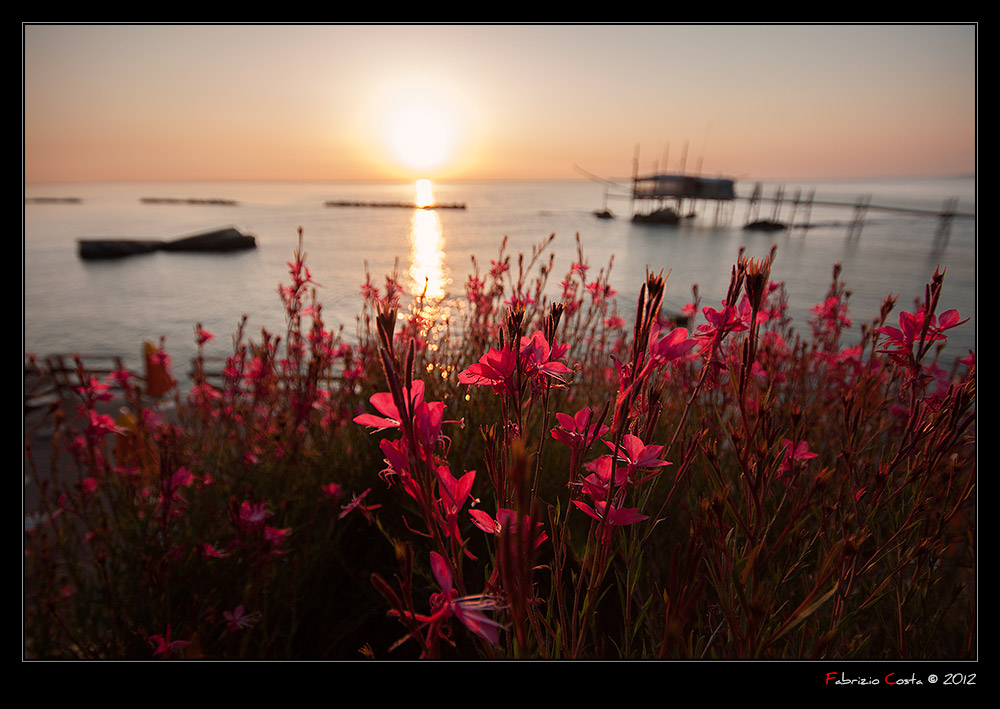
point(210, 552)
point(911, 328)
point(165, 646)
point(577, 431)
point(467, 609)
point(181, 478)
point(495, 368)
point(793, 452)
point(428, 417)
point(637, 454)
point(202, 335)
point(333, 491)
point(94, 390)
point(170, 490)
point(616, 517)
point(398, 465)
point(498, 268)
point(505, 518)
point(370, 292)
point(356, 503)
point(100, 425)
point(600, 292)
point(720, 322)
point(745, 311)
point(634, 454)
point(383, 401)
point(454, 492)
point(498, 367)
point(597, 484)
point(831, 315)
point(537, 357)
point(250, 516)
point(902, 338)
point(516, 301)
point(239, 619)
point(673, 345)
point(949, 319)
point(276, 536)
point(121, 377)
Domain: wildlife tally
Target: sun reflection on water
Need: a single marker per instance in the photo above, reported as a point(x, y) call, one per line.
point(429, 276)
point(427, 270)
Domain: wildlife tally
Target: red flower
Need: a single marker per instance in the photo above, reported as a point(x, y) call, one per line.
point(239, 619)
point(673, 345)
point(637, 454)
point(333, 491)
point(599, 481)
point(616, 517)
point(793, 452)
point(454, 492)
point(911, 331)
point(165, 646)
point(428, 417)
point(497, 368)
point(505, 518)
point(720, 322)
point(537, 357)
point(577, 431)
point(210, 552)
point(383, 401)
point(357, 504)
point(467, 609)
point(202, 335)
point(276, 536)
point(100, 425)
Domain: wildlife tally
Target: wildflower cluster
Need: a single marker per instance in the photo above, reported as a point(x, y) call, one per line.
point(533, 480)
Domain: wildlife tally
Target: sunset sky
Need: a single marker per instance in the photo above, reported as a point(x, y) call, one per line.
point(357, 102)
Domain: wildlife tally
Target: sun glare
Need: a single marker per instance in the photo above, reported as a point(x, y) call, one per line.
point(425, 193)
point(421, 131)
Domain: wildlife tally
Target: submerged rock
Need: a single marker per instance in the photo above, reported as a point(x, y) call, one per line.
point(660, 216)
point(116, 248)
point(220, 240)
point(765, 225)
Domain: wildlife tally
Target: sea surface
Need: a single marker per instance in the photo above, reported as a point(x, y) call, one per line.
point(112, 307)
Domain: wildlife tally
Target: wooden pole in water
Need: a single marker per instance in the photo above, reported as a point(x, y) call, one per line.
point(778, 197)
point(860, 210)
point(947, 215)
point(753, 208)
point(809, 204)
point(635, 180)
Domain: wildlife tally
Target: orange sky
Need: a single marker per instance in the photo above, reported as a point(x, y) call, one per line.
point(346, 102)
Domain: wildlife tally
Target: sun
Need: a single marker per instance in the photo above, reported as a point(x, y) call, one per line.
point(421, 130)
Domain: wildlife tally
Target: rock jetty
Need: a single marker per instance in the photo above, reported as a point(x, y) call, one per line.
point(400, 205)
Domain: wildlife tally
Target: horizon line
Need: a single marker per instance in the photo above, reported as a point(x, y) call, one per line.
point(887, 176)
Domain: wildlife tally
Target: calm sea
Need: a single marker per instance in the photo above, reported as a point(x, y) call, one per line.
point(111, 307)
